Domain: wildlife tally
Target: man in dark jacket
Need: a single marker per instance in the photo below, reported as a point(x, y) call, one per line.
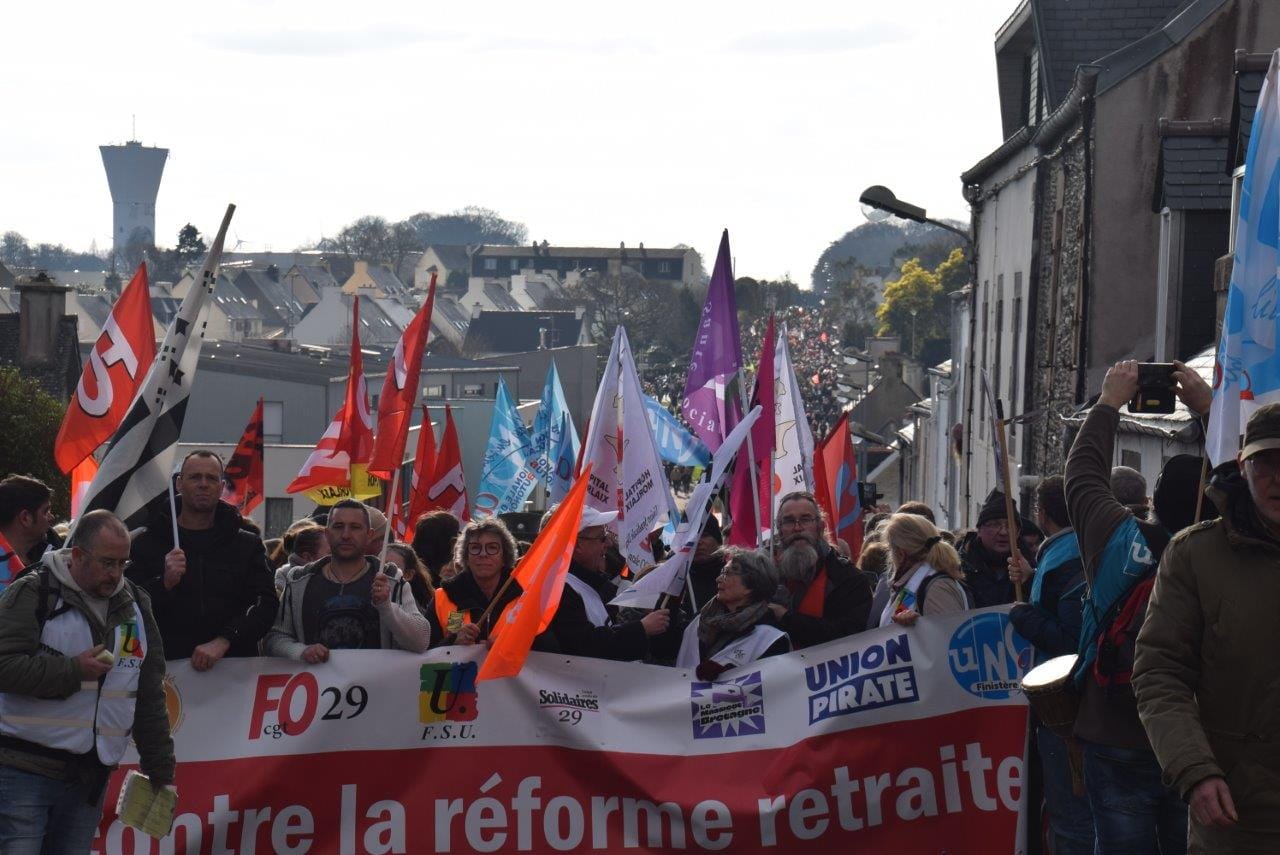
point(984, 554)
point(706, 564)
point(1133, 810)
point(1051, 622)
point(213, 592)
point(1206, 675)
point(824, 597)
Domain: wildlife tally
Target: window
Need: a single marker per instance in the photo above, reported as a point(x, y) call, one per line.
point(437, 391)
point(1130, 458)
point(515, 265)
point(273, 421)
point(279, 516)
point(471, 390)
point(1015, 361)
point(491, 264)
point(664, 266)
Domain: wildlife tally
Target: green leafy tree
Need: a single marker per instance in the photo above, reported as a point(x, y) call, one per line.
point(914, 308)
point(29, 422)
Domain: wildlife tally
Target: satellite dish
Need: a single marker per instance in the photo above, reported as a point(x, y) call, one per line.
point(875, 215)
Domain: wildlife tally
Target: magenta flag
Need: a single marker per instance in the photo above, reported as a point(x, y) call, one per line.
point(761, 459)
point(711, 405)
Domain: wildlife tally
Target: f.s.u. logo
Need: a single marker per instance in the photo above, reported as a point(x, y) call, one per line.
point(447, 692)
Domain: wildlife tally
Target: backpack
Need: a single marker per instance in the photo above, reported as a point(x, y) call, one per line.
point(928, 580)
point(1117, 642)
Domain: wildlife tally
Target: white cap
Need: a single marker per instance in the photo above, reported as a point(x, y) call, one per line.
point(591, 517)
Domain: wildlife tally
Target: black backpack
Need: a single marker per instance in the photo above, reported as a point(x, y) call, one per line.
point(928, 580)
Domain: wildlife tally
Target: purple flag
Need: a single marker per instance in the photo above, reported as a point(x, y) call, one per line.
point(711, 405)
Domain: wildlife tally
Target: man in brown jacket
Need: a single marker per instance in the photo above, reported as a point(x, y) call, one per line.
point(1207, 673)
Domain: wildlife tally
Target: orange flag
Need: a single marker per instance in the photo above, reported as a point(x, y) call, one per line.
point(424, 466)
point(111, 376)
point(541, 574)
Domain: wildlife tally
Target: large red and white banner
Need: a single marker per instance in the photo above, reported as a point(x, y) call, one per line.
point(896, 740)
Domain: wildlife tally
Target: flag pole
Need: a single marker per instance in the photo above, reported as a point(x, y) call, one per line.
point(173, 510)
point(751, 460)
point(1011, 517)
point(392, 496)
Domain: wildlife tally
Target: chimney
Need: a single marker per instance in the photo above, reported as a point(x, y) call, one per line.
point(43, 303)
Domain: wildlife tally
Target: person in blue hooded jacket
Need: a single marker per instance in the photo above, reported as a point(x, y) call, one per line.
point(1051, 622)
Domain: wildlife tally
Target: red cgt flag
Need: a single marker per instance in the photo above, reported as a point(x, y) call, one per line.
point(244, 478)
point(400, 391)
point(111, 376)
point(447, 489)
point(541, 575)
point(424, 466)
point(763, 446)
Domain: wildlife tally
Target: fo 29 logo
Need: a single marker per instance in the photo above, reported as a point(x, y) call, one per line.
point(286, 704)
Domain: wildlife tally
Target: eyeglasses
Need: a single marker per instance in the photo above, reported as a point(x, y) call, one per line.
point(995, 525)
point(593, 537)
point(484, 548)
point(797, 522)
point(110, 563)
point(1264, 465)
point(731, 571)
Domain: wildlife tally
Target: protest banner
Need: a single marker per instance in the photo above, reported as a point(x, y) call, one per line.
point(894, 740)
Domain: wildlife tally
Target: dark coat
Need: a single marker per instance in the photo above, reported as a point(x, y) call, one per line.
point(1053, 626)
point(845, 609)
point(987, 575)
point(228, 589)
point(621, 642)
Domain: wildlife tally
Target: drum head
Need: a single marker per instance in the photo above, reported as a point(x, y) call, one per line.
point(1054, 671)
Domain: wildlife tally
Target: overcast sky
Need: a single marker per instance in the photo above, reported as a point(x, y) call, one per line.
point(592, 123)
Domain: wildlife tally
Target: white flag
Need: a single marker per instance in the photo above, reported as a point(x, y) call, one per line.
point(627, 474)
point(139, 460)
point(668, 577)
point(793, 438)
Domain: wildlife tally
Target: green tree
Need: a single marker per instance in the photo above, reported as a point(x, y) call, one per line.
point(29, 422)
point(914, 308)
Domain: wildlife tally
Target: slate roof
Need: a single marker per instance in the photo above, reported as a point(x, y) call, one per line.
point(448, 311)
point(164, 309)
point(59, 376)
point(517, 332)
point(1251, 70)
point(400, 314)
point(1079, 32)
point(7, 279)
point(318, 277)
point(386, 280)
point(96, 306)
point(1193, 173)
point(630, 253)
point(314, 365)
point(232, 301)
point(538, 292)
point(500, 298)
point(452, 256)
point(276, 302)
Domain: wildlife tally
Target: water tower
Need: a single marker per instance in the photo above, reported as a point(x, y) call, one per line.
point(133, 174)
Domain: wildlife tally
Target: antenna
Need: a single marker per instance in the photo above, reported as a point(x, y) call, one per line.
point(134, 118)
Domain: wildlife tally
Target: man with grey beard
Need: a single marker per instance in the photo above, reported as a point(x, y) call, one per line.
point(822, 596)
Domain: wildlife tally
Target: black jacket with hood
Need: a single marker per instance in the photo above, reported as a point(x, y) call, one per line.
point(228, 589)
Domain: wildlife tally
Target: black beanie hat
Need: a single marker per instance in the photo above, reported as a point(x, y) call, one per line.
point(993, 508)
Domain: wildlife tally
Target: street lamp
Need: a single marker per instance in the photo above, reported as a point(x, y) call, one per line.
point(882, 199)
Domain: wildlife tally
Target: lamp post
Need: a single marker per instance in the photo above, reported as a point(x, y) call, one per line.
point(914, 312)
point(882, 199)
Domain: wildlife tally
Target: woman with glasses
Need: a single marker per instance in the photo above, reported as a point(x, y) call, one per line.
point(926, 575)
point(736, 626)
point(469, 608)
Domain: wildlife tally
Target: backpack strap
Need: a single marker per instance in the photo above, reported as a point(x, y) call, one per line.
point(47, 595)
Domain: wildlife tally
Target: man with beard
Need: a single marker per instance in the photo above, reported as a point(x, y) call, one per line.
point(822, 596)
point(212, 592)
point(984, 555)
point(346, 600)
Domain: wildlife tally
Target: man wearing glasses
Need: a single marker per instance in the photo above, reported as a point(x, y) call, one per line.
point(1206, 673)
point(822, 596)
point(984, 554)
point(81, 671)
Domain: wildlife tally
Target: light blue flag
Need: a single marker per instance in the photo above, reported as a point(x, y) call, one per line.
point(1247, 374)
point(508, 476)
point(675, 444)
point(566, 459)
point(544, 438)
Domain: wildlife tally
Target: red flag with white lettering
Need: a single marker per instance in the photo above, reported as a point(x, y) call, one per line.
point(244, 476)
point(400, 392)
point(111, 376)
point(448, 488)
point(424, 466)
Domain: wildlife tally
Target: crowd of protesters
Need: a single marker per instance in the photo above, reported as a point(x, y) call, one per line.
point(1179, 714)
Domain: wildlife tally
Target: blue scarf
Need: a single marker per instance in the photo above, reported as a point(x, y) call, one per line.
point(1054, 552)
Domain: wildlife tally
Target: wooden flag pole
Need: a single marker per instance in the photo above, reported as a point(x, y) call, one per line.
point(1011, 517)
point(392, 496)
point(1204, 477)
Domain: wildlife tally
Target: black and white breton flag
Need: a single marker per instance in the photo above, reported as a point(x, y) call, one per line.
point(139, 461)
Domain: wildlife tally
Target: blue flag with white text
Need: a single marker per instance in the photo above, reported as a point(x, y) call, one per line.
point(544, 438)
point(675, 444)
point(508, 475)
point(565, 460)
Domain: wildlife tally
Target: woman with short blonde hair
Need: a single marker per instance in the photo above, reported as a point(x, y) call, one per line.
point(926, 575)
